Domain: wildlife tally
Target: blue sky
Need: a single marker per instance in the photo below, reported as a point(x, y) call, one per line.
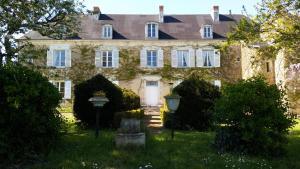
point(171, 6)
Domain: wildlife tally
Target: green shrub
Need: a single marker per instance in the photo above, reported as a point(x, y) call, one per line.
point(130, 100)
point(29, 122)
point(84, 110)
point(137, 114)
point(253, 118)
point(196, 104)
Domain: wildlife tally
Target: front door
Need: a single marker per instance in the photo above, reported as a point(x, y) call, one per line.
point(152, 93)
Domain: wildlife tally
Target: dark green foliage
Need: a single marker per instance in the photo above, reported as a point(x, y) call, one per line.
point(137, 114)
point(84, 110)
point(29, 121)
point(52, 18)
point(254, 118)
point(197, 101)
point(130, 100)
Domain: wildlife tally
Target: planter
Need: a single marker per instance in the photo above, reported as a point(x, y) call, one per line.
point(130, 133)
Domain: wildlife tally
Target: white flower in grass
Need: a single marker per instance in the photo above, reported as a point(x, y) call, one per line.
point(83, 164)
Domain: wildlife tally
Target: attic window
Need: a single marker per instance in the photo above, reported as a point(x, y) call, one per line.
point(107, 31)
point(151, 30)
point(207, 32)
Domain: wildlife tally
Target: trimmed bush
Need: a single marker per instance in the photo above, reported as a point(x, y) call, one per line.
point(84, 110)
point(29, 122)
point(196, 104)
point(131, 100)
point(253, 118)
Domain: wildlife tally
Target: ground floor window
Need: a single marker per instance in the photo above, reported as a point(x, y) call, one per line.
point(60, 85)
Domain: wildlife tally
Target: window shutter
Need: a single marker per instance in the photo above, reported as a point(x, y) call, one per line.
point(156, 30)
point(68, 57)
point(199, 58)
point(143, 58)
point(102, 33)
point(68, 91)
point(192, 57)
point(50, 57)
point(174, 58)
point(217, 58)
point(202, 32)
point(146, 30)
point(98, 59)
point(116, 58)
point(160, 58)
point(217, 83)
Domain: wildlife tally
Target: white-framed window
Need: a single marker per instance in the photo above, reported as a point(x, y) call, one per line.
point(107, 31)
point(183, 58)
point(207, 32)
point(208, 58)
point(60, 85)
point(64, 87)
point(107, 58)
point(151, 58)
point(151, 30)
point(59, 58)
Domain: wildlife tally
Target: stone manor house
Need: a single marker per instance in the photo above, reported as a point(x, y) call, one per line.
point(144, 53)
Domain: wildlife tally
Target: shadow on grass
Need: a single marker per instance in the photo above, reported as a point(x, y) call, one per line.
point(189, 149)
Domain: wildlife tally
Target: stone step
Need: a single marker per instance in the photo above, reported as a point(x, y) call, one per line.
point(152, 119)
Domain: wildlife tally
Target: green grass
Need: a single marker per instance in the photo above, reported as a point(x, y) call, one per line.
point(189, 150)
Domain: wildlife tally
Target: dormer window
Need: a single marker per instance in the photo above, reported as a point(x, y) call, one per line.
point(151, 30)
point(207, 32)
point(107, 31)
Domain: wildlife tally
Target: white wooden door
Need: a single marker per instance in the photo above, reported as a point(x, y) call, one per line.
point(152, 93)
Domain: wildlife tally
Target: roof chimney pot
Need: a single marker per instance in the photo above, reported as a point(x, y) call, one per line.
point(96, 10)
point(215, 13)
point(161, 14)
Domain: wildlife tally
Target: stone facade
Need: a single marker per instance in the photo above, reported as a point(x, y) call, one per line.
point(278, 73)
point(129, 74)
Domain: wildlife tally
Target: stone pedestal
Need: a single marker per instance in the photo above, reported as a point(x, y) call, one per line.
point(130, 134)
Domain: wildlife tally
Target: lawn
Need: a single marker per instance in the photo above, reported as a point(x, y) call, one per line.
point(189, 150)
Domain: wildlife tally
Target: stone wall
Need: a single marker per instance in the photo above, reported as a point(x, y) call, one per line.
point(129, 74)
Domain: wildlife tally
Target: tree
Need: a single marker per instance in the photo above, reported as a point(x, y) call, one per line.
point(253, 118)
point(277, 23)
point(30, 125)
point(53, 18)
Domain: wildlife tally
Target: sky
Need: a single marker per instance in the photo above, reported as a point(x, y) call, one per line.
point(171, 6)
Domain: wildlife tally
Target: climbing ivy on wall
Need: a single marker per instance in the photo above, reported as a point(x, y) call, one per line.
point(83, 66)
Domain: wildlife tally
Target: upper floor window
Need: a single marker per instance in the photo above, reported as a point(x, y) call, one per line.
point(207, 32)
point(59, 58)
point(183, 58)
point(107, 59)
point(151, 58)
point(151, 30)
point(208, 58)
point(107, 31)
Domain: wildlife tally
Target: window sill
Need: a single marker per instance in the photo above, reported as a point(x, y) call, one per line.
point(109, 38)
point(151, 38)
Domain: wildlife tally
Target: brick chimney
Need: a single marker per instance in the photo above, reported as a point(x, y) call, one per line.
point(96, 10)
point(161, 14)
point(215, 13)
